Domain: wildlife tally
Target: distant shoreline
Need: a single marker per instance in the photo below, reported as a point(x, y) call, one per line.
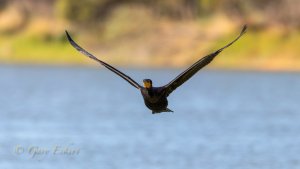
point(85, 66)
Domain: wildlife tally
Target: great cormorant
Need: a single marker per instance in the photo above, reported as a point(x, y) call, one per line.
point(155, 98)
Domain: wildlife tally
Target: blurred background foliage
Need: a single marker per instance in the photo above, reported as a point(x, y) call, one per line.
point(152, 33)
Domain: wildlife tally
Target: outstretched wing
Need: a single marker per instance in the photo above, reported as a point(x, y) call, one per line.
point(122, 75)
point(187, 74)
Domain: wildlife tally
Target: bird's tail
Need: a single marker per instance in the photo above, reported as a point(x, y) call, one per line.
point(166, 110)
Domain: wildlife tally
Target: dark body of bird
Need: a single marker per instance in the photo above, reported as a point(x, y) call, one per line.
point(155, 98)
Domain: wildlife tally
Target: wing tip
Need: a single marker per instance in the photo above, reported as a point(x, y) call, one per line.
point(68, 36)
point(72, 42)
point(244, 30)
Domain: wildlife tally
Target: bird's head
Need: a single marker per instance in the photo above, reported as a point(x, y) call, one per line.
point(147, 83)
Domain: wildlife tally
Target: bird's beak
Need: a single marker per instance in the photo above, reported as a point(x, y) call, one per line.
point(147, 85)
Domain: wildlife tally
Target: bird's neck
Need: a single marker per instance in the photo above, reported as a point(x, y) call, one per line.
point(150, 91)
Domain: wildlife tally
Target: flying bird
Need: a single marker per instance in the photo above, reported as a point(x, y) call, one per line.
point(155, 98)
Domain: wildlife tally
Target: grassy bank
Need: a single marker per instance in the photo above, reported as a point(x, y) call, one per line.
point(257, 50)
point(153, 42)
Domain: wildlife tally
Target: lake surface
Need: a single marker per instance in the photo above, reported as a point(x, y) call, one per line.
point(88, 118)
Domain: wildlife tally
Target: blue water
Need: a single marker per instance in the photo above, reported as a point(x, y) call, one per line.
point(88, 118)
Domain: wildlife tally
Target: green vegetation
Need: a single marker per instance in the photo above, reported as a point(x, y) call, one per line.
point(158, 33)
point(28, 50)
point(263, 50)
